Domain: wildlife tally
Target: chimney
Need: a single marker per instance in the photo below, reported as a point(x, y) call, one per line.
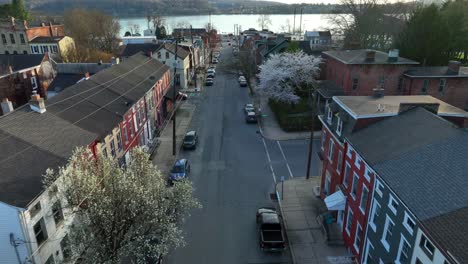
point(378, 92)
point(454, 66)
point(12, 21)
point(370, 55)
point(393, 55)
point(37, 103)
point(25, 24)
point(43, 24)
point(7, 106)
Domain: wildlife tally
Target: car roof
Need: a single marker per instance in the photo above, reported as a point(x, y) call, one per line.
point(180, 162)
point(191, 133)
point(209, 79)
point(251, 113)
point(249, 105)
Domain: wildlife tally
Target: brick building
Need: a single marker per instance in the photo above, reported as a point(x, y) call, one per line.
point(347, 178)
point(13, 38)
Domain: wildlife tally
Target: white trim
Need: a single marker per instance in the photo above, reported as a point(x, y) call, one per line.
point(331, 146)
point(367, 173)
point(366, 252)
point(339, 162)
point(349, 151)
point(384, 242)
point(348, 224)
point(390, 205)
point(400, 250)
point(326, 190)
point(329, 116)
point(357, 161)
point(375, 204)
point(407, 218)
point(331, 133)
point(339, 126)
point(378, 186)
point(356, 236)
point(352, 185)
point(345, 178)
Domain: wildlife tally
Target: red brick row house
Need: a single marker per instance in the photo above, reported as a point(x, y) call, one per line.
point(347, 180)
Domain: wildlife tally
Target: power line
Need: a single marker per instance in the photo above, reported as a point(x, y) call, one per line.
point(68, 98)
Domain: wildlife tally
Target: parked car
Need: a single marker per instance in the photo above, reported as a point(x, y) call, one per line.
point(251, 117)
point(180, 170)
point(209, 81)
point(210, 75)
point(242, 78)
point(215, 61)
point(243, 83)
point(211, 70)
point(249, 108)
point(190, 140)
point(183, 96)
point(270, 231)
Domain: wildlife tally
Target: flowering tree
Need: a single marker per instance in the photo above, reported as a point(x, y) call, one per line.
point(282, 75)
point(120, 215)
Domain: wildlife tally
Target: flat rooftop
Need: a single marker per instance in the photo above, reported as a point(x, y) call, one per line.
point(368, 106)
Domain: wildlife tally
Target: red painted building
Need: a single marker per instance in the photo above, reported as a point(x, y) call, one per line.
point(345, 175)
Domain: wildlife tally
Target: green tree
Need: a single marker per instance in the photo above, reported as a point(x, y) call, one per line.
point(424, 37)
point(120, 215)
point(455, 16)
point(18, 10)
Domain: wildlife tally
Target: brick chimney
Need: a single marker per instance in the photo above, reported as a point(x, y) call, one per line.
point(454, 66)
point(7, 106)
point(370, 55)
point(37, 103)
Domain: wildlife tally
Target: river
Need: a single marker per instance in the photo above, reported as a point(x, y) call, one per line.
point(225, 23)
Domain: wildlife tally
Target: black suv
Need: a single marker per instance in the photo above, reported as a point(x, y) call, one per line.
point(190, 140)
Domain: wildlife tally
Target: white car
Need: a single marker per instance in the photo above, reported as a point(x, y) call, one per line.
point(215, 61)
point(242, 78)
point(211, 70)
point(249, 108)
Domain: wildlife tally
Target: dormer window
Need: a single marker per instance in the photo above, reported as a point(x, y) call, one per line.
point(339, 126)
point(329, 116)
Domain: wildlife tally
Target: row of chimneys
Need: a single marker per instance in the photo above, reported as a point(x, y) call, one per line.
point(36, 103)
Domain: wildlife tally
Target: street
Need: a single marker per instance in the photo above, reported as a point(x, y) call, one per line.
point(233, 170)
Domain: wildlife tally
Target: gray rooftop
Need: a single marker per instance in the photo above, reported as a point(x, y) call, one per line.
point(19, 62)
point(367, 106)
point(436, 71)
point(359, 57)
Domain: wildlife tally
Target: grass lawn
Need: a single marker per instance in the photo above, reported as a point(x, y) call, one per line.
point(294, 118)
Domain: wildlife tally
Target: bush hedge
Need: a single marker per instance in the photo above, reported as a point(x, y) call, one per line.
point(294, 118)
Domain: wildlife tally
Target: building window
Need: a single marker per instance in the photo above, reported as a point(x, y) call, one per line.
point(327, 183)
point(387, 233)
point(46, 48)
point(65, 245)
point(130, 125)
point(12, 38)
point(379, 188)
point(403, 251)
point(355, 83)
point(382, 82)
point(4, 39)
point(339, 161)
point(167, 55)
point(367, 173)
point(357, 238)
point(349, 152)
point(409, 223)
point(401, 84)
point(119, 142)
point(374, 214)
point(349, 221)
point(369, 259)
point(357, 162)
point(34, 82)
point(159, 55)
point(329, 116)
point(346, 174)
point(427, 247)
point(324, 137)
point(354, 186)
point(442, 84)
point(418, 261)
point(22, 39)
point(125, 135)
point(112, 147)
point(35, 49)
point(393, 204)
point(35, 209)
point(425, 86)
point(138, 117)
point(40, 232)
point(57, 213)
point(364, 198)
point(331, 146)
point(339, 126)
point(54, 49)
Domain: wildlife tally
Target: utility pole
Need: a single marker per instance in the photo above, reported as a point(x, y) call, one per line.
point(300, 25)
point(311, 142)
point(294, 23)
point(174, 103)
point(192, 49)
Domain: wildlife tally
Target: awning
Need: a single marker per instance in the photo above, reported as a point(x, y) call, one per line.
point(336, 201)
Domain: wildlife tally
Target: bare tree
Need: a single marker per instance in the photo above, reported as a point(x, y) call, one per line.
point(263, 21)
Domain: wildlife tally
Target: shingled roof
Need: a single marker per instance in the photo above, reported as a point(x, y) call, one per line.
point(359, 57)
point(181, 53)
point(417, 154)
point(132, 49)
point(20, 62)
point(31, 142)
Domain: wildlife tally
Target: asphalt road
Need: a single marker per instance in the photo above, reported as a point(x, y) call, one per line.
point(233, 176)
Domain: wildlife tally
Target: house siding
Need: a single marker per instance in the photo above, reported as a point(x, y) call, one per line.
point(419, 253)
point(398, 230)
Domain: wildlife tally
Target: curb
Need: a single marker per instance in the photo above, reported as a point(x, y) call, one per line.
point(291, 251)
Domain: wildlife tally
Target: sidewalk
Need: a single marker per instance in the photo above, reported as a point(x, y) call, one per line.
point(299, 209)
point(163, 157)
point(271, 129)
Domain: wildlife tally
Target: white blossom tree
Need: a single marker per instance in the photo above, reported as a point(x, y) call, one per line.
point(120, 215)
point(284, 74)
